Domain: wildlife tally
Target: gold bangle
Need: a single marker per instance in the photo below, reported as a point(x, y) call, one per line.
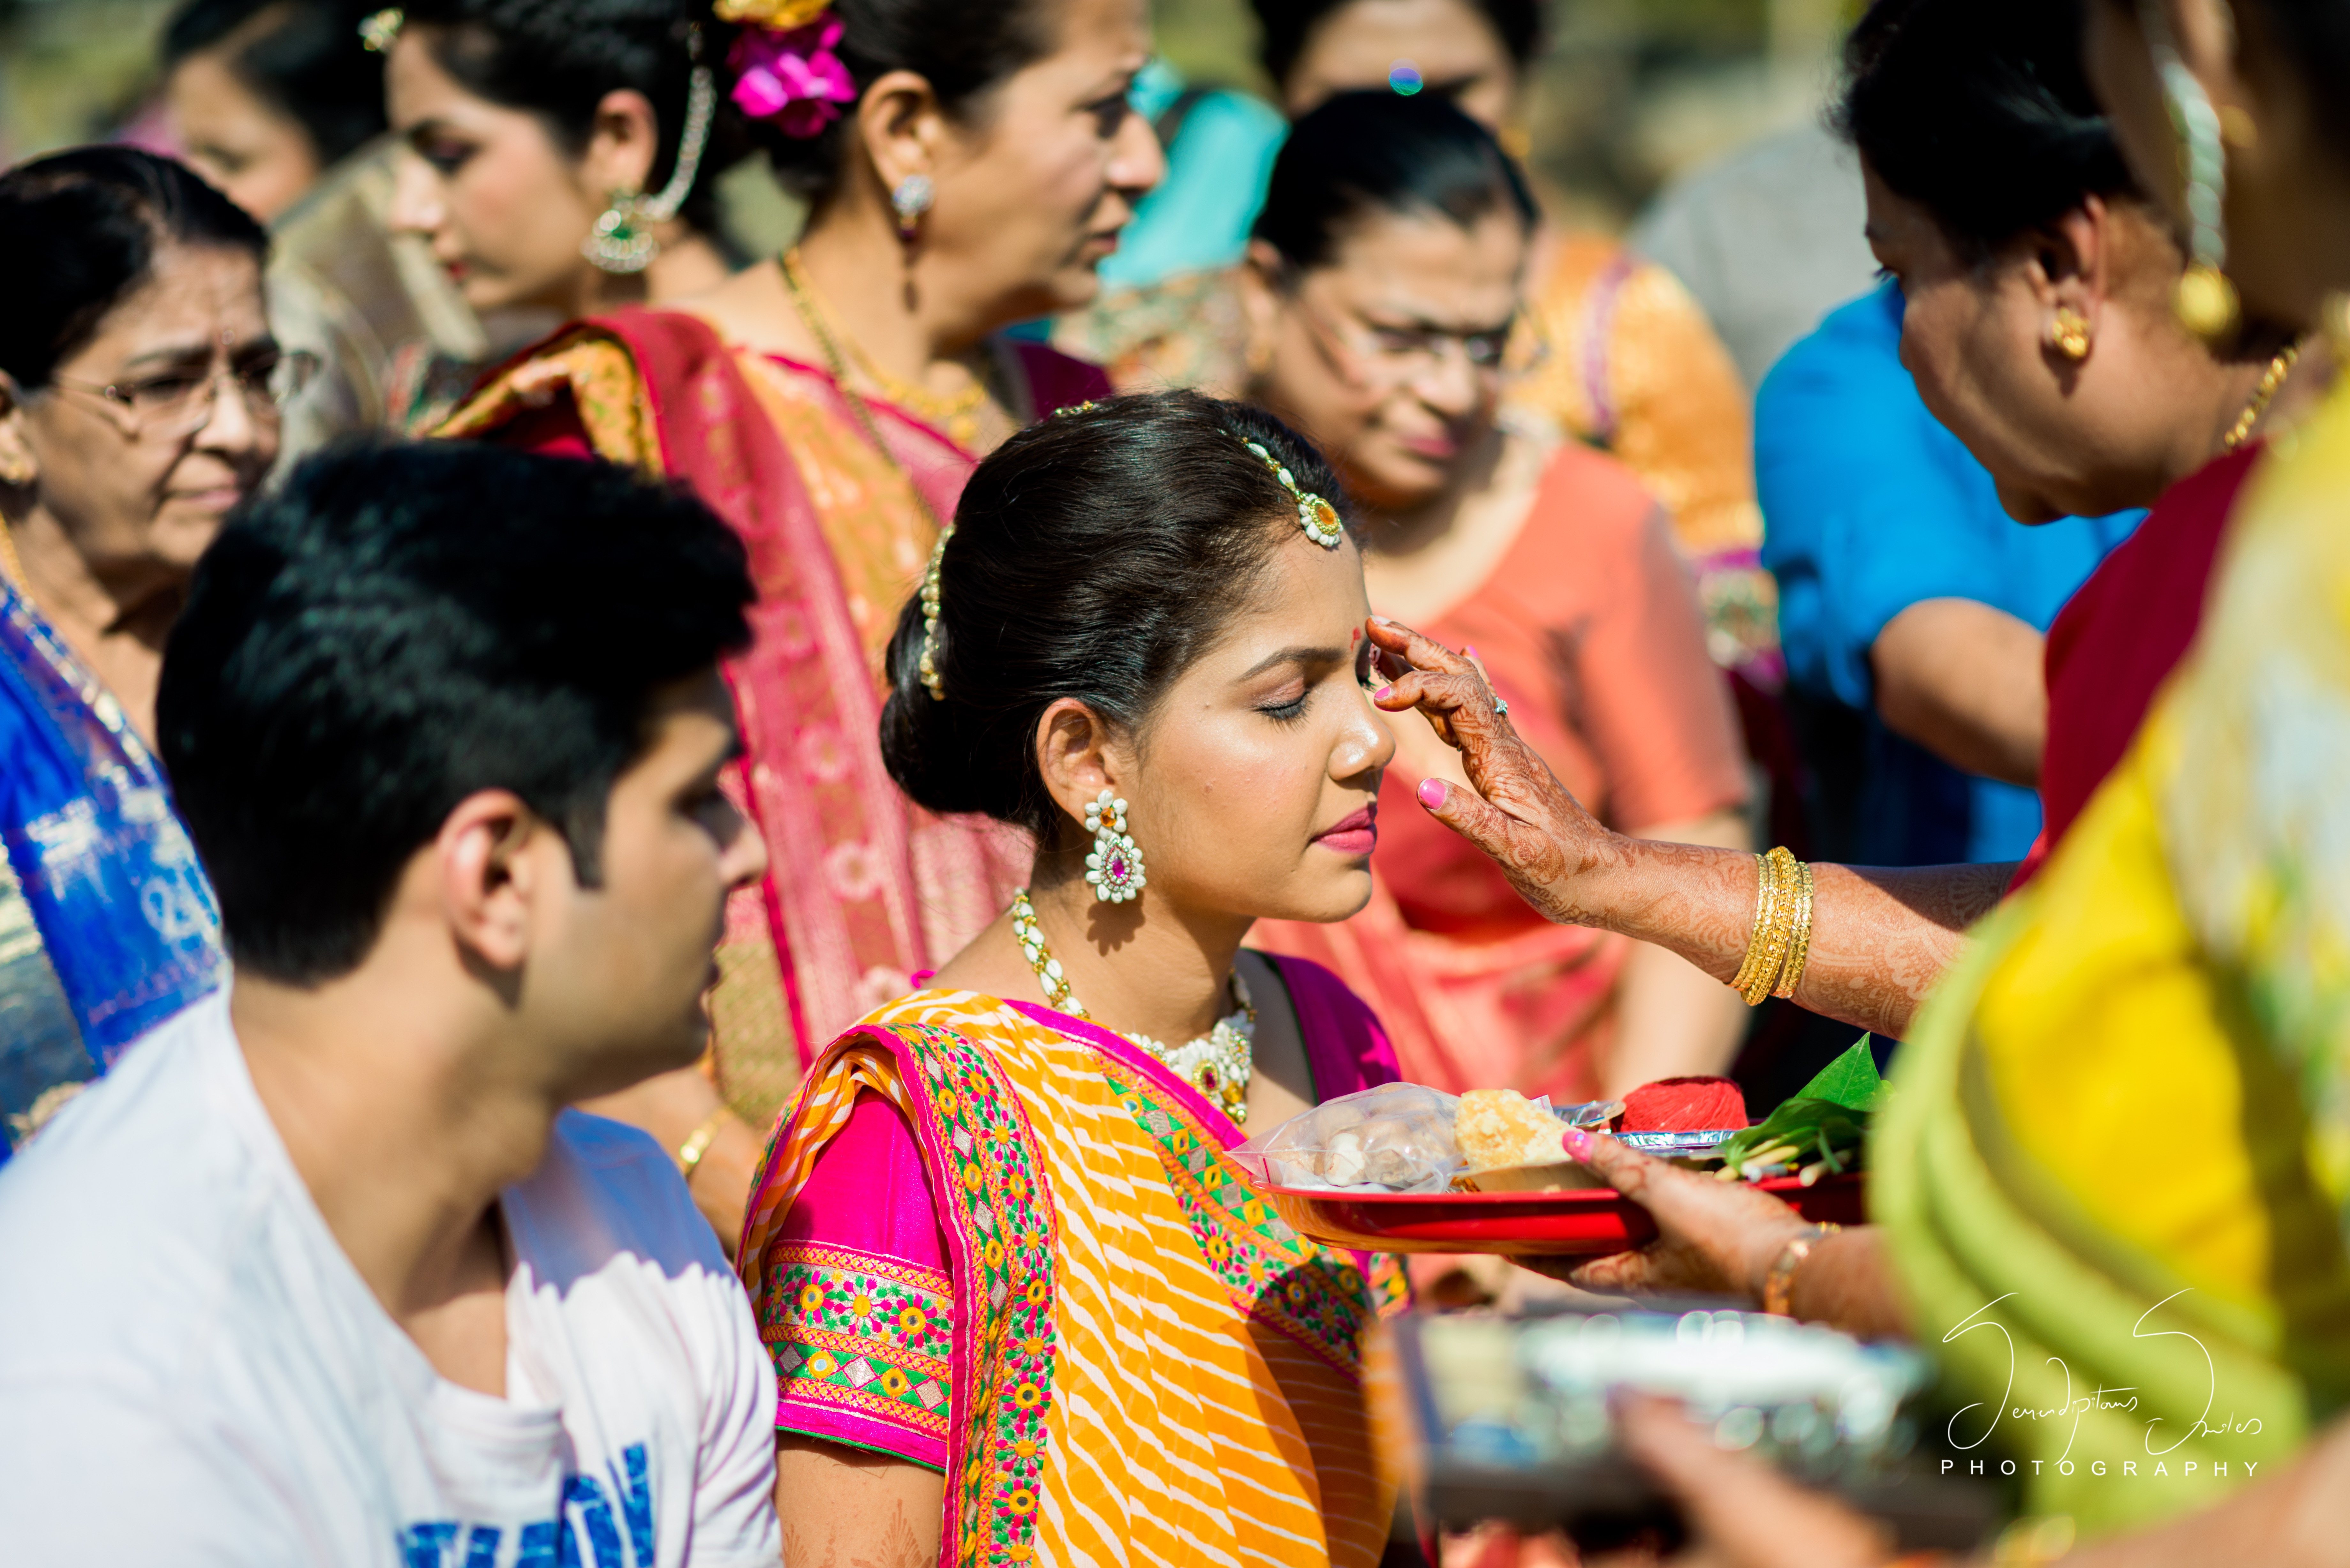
point(697, 1144)
point(1778, 1284)
point(1769, 950)
point(1800, 952)
point(1765, 892)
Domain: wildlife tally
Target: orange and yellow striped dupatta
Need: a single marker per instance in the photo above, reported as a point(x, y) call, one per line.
point(1148, 1365)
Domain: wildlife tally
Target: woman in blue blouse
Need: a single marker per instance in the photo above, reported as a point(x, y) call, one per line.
point(139, 402)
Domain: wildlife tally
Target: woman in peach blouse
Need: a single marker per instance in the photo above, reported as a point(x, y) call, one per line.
point(1382, 284)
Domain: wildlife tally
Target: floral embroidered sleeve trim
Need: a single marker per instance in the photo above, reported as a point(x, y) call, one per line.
point(861, 1345)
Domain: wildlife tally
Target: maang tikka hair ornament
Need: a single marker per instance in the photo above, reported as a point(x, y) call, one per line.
point(1316, 516)
point(1114, 867)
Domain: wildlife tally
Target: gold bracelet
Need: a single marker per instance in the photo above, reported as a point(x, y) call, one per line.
point(1799, 954)
point(1767, 890)
point(690, 1152)
point(1769, 952)
point(1780, 945)
point(1778, 1284)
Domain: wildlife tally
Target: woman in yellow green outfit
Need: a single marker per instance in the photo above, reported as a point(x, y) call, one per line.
point(2110, 1188)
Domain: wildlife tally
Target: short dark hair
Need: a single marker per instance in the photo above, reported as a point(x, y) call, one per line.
point(1979, 111)
point(1286, 26)
point(1364, 153)
point(1097, 555)
point(83, 227)
point(396, 628)
point(558, 58)
point(302, 57)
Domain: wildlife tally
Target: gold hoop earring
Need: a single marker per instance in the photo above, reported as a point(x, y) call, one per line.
point(2069, 334)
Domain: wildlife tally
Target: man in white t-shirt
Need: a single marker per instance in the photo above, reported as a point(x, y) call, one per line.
point(326, 1271)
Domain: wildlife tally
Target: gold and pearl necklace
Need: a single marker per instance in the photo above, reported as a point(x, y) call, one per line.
point(1217, 1063)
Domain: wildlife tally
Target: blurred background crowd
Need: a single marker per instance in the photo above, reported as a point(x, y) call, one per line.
point(1880, 648)
point(1626, 93)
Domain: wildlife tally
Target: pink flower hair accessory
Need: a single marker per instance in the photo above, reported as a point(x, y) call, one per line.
point(792, 78)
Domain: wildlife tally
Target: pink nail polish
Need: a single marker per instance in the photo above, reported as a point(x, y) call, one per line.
point(1577, 1143)
point(1431, 793)
point(1383, 693)
point(1469, 649)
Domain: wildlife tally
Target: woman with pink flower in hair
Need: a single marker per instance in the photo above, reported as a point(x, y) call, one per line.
point(967, 163)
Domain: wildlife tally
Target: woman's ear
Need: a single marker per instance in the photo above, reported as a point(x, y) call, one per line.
point(902, 127)
point(1259, 280)
point(623, 141)
point(20, 467)
point(2067, 266)
point(1079, 757)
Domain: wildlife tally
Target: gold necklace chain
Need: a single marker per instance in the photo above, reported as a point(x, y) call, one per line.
point(13, 565)
point(2271, 380)
point(957, 412)
point(856, 401)
point(1217, 1063)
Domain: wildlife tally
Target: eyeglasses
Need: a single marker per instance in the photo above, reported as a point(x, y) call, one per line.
point(178, 402)
point(1386, 357)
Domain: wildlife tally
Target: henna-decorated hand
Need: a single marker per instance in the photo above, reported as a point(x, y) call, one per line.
point(1518, 812)
point(1719, 1238)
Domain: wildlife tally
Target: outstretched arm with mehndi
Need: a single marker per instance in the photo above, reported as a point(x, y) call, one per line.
point(1880, 937)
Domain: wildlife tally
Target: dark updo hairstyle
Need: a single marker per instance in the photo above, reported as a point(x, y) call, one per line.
point(963, 48)
point(83, 227)
point(301, 57)
point(1097, 556)
point(1365, 152)
point(558, 58)
point(1286, 26)
point(1979, 111)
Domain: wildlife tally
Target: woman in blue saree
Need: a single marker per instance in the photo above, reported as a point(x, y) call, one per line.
point(139, 402)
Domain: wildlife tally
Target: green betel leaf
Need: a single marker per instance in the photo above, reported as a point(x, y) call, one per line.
point(1849, 1081)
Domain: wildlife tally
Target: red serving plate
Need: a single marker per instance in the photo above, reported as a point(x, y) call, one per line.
point(1586, 1224)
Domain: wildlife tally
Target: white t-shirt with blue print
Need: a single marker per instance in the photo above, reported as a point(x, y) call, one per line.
point(193, 1372)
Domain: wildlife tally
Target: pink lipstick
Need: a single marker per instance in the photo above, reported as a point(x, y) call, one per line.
point(1355, 835)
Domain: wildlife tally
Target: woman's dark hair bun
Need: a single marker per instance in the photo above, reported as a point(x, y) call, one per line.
point(1365, 152)
point(1095, 556)
point(83, 227)
point(1979, 111)
point(961, 47)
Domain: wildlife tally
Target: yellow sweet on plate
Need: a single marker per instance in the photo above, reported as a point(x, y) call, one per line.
point(1513, 1145)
